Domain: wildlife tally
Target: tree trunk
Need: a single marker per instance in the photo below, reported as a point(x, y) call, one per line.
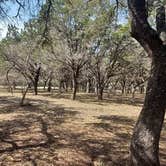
point(49, 85)
point(100, 94)
point(24, 92)
point(36, 79)
point(36, 87)
point(96, 88)
point(141, 89)
point(60, 86)
point(88, 86)
point(66, 86)
point(145, 141)
point(123, 90)
point(75, 85)
point(74, 89)
point(45, 83)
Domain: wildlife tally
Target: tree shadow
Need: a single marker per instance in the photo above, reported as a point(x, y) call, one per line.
point(33, 129)
point(120, 128)
point(38, 135)
point(92, 98)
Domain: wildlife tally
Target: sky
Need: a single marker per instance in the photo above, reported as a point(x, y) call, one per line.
point(25, 16)
point(19, 21)
point(12, 11)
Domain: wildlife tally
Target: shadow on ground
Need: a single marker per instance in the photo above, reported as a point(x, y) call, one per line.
point(43, 133)
point(91, 98)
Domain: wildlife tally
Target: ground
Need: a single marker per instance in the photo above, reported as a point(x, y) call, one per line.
point(53, 130)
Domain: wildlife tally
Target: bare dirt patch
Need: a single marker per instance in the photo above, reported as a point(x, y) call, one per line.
point(56, 131)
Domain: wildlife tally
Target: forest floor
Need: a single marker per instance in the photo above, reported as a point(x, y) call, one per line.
point(53, 130)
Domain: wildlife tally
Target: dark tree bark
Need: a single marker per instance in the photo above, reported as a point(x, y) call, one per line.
point(36, 78)
point(100, 93)
point(49, 85)
point(145, 140)
point(75, 86)
point(144, 149)
point(36, 87)
point(75, 81)
point(50, 82)
point(60, 86)
point(123, 85)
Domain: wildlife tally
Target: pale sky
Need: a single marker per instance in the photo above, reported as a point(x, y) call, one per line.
point(12, 9)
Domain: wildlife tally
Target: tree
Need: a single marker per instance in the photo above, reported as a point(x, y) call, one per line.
point(20, 51)
point(144, 149)
point(69, 23)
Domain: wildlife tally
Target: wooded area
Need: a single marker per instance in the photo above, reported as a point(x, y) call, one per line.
point(74, 79)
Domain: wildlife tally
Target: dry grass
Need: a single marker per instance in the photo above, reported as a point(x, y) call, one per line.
point(56, 131)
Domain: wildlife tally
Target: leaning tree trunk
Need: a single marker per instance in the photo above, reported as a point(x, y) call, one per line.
point(24, 92)
point(145, 141)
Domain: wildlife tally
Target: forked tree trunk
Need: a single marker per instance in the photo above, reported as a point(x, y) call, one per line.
point(145, 141)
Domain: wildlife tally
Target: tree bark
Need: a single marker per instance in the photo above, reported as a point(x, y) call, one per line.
point(49, 85)
point(36, 79)
point(145, 141)
point(100, 94)
point(75, 85)
point(36, 87)
point(88, 86)
point(50, 81)
point(45, 83)
point(144, 149)
point(24, 95)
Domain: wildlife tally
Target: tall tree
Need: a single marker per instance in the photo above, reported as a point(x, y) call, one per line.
point(145, 141)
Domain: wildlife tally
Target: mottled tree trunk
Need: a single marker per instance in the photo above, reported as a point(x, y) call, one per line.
point(144, 150)
point(145, 141)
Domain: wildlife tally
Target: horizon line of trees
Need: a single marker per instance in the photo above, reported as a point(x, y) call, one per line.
point(79, 46)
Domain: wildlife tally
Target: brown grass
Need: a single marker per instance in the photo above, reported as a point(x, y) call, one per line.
point(56, 131)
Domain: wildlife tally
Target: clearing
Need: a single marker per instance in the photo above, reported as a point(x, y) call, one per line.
point(55, 131)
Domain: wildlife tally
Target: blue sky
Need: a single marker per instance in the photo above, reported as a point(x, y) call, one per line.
point(12, 9)
point(25, 16)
